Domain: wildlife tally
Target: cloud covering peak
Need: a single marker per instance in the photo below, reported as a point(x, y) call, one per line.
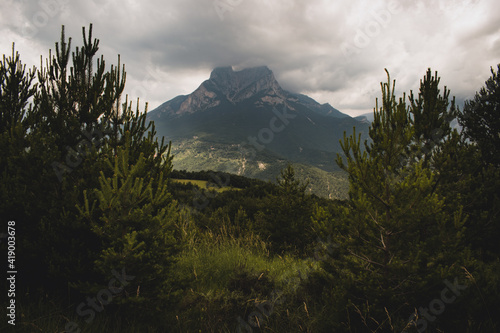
point(334, 51)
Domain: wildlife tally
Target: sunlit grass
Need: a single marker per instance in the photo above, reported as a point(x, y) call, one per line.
point(217, 258)
point(204, 184)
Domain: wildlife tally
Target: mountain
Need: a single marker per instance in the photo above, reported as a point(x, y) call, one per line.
point(365, 117)
point(244, 122)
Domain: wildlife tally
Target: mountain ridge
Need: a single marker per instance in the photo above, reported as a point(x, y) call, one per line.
point(234, 111)
point(236, 86)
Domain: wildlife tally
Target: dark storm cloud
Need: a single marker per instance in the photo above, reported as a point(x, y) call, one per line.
point(336, 51)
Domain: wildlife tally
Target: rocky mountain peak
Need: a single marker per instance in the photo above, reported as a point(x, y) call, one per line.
point(227, 76)
point(222, 74)
point(238, 85)
point(227, 87)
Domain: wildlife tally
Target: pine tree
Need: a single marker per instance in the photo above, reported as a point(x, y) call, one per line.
point(285, 217)
point(469, 174)
point(57, 135)
point(431, 114)
point(480, 119)
point(135, 218)
point(396, 238)
point(16, 89)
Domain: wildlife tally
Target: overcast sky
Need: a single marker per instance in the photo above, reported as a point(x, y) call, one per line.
point(332, 50)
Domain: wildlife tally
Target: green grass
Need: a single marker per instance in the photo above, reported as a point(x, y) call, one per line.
point(230, 276)
point(215, 260)
point(204, 184)
point(225, 277)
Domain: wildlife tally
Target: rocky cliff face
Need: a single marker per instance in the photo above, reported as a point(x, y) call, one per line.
point(238, 86)
point(201, 99)
point(232, 87)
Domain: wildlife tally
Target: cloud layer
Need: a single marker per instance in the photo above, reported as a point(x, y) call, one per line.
point(334, 51)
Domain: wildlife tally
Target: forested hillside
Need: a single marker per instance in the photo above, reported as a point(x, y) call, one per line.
point(101, 236)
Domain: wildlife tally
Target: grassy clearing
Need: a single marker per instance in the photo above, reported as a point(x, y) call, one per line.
point(230, 276)
point(203, 184)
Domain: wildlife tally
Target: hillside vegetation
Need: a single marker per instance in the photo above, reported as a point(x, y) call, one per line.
point(203, 155)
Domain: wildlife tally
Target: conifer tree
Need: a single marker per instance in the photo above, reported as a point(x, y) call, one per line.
point(480, 119)
point(16, 88)
point(396, 238)
point(135, 218)
point(431, 114)
point(57, 136)
point(469, 173)
point(468, 166)
point(285, 218)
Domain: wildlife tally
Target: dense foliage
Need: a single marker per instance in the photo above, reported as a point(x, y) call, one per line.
point(110, 240)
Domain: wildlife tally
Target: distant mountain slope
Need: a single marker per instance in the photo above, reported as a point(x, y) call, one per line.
point(244, 122)
point(365, 117)
point(196, 155)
